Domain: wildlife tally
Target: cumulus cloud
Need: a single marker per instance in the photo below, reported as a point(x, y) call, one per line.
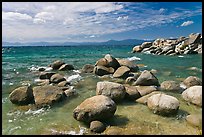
point(186, 23)
point(69, 19)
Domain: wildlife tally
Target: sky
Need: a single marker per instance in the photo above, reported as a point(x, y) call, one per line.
point(98, 21)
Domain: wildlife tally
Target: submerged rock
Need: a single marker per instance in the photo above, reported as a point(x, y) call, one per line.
point(144, 90)
point(147, 78)
point(163, 104)
point(46, 75)
point(193, 95)
point(56, 78)
point(22, 95)
point(195, 120)
point(113, 90)
point(170, 86)
point(98, 107)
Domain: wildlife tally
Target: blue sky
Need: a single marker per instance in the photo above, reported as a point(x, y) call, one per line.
point(98, 21)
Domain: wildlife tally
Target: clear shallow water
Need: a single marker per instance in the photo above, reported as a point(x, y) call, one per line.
point(130, 117)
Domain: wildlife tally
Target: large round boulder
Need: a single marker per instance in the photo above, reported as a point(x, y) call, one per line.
point(97, 126)
point(193, 95)
point(65, 67)
point(56, 78)
point(101, 70)
point(101, 62)
point(192, 81)
point(113, 90)
point(22, 95)
point(98, 107)
point(163, 104)
point(170, 86)
point(147, 78)
point(57, 64)
point(47, 95)
point(122, 72)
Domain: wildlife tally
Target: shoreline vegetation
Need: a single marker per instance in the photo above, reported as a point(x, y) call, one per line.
point(137, 86)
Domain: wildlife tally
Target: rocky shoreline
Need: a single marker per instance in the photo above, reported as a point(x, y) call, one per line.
point(182, 45)
point(140, 87)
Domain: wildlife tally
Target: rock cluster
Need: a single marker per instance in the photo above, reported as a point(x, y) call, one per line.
point(183, 45)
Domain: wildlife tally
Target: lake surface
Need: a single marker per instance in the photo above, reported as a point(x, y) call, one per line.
point(18, 68)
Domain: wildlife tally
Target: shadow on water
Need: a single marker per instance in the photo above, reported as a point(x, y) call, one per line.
point(117, 120)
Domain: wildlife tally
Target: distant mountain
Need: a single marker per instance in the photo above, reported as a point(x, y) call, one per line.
point(110, 42)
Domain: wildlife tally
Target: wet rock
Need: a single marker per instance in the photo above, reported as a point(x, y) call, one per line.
point(46, 75)
point(193, 95)
point(131, 93)
point(194, 120)
point(113, 90)
point(56, 78)
point(43, 82)
point(125, 62)
point(63, 84)
point(170, 86)
point(143, 99)
point(101, 70)
point(22, 95)
point(47, 95)
point(41, 69)
point(66, 67)
point(112, 62)
point(163, 104)
point(97, 126)
point(88, 68)
point(122, 72)
point(147, 79)
point(144, 90)
point(192, 81)
point(98, 107)
point(57, 64)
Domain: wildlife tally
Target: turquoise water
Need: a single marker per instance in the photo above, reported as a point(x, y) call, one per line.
point(17, 63)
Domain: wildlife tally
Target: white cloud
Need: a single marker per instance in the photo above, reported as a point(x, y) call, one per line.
point(39, 21)
point(186, 23)
point(92, 36)
point(15, 16)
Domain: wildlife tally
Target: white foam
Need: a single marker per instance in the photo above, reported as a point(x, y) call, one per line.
point(77, 71)
point(180, 56)
point(4, 100)
point(133, 58)
point(10, 83)
point(73, 77)
point(81, 131)
point(34, 112)
point(47, 68)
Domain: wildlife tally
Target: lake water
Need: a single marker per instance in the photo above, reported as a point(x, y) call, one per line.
point(18, 68)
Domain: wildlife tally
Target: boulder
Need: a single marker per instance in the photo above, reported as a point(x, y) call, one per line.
point(113, 90)
point(194, 120)
point(101, 62)
point(194, 38)
point(88, 68)
point(57, 64)
point(125, 62)
point(70, 92)
point(147, 79)
point(56, 78)
point(144, 90)
point(41, 69)
point(137, 49)
point(98, 107)
point(22, 95)
point(46, 75)
point(163, 104)
point(146, 45)
point(192, 81)
point(63, 84)
point(131, 93)
point(112, 62)
point(193, 95)
point(130, 80)
point(97, 126)
point(143, 99)
point(122, 72)
point(47, 95)
point(101, 70)
point(65, 67)
point(170, 86)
